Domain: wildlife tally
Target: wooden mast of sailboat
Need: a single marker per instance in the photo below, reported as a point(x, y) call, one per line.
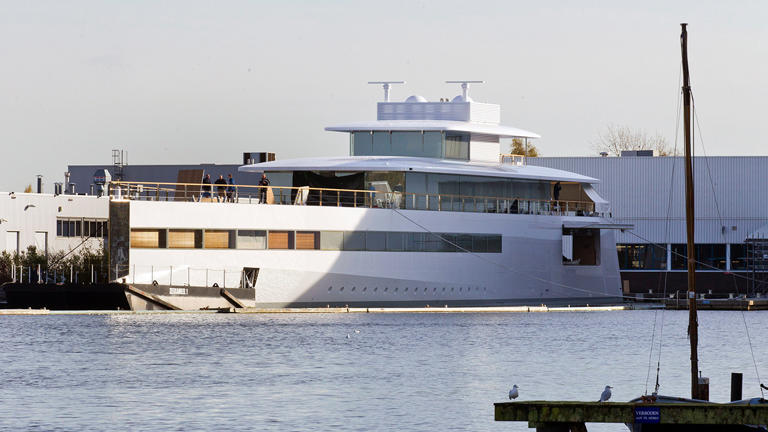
point(693, 331)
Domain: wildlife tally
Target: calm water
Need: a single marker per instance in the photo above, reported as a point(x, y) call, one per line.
point(401, 372)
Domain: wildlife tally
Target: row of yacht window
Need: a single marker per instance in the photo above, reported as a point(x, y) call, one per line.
point(377, 241)
point(436, 144)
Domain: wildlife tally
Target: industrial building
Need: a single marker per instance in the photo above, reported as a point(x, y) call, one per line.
point(731, 225)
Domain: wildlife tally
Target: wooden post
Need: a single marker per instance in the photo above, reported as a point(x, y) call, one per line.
point(736, 385)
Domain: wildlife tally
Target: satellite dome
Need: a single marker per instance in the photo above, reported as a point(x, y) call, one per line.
point(416, 99)
point(461, 98)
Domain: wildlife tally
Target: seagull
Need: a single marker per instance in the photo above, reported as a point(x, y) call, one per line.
point(348, 337)
point(513, 394)
point(357, 331)
point(606, 394)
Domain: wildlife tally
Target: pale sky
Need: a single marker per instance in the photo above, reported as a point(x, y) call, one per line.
point(203, 81)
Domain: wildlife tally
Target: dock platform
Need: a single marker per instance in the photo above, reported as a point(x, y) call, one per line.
point(436, 309)
point(563, 416)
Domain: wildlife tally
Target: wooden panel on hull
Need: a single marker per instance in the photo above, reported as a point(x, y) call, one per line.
point(181, 239)
point(279, 240)
point(307, 240)
point(216, 239)
point(145, 238)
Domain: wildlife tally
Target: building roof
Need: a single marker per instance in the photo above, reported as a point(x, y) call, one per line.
point(433, 125)
point(417, 164)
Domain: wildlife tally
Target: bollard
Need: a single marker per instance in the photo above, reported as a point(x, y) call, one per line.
point(703, 387)
point(736, 385)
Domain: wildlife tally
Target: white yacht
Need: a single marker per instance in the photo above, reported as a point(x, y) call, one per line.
point(425, 211)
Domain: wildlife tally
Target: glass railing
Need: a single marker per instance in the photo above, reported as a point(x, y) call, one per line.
point(512, 159)
point(304, 195)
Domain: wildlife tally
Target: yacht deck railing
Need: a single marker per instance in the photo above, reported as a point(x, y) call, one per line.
point(304, 195)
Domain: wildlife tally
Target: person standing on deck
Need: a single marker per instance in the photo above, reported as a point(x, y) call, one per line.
point(556, 193)
point(206, 188)
point(220, 187)
point(231, 188)
point(264, 182)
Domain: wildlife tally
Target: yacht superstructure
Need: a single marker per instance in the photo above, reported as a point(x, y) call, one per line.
point(424, 211)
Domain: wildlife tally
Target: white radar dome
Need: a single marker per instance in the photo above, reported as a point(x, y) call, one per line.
point(461, 98)
point(416, 99)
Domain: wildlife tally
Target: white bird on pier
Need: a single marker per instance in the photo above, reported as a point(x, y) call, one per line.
point(606, 394)
point(513, 394)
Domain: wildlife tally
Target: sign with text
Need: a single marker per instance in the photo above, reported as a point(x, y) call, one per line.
point(647, 414)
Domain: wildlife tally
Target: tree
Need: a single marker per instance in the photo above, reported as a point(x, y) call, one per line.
point(617, 138)
point(518, 148)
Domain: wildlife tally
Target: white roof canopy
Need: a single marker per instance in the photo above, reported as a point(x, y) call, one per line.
point(433, 125)
point(417, 164)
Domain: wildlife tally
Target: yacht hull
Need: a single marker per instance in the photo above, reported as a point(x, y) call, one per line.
point(528, 270)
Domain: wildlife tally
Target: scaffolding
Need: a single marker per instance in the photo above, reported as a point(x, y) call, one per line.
point(757, 262)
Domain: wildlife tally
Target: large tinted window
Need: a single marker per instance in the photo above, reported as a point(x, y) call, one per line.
point(375, 240)
point(381, 145)
point(354, 240)
point(642, 257)
point(433, 144)
point(457, 146)
point(411, 143)
point(739, 256)
point(679, 257)
point(362, 143)
point(710, 256)
point(395, 241)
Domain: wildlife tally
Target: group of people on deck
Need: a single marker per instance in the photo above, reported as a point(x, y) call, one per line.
point(226, 190)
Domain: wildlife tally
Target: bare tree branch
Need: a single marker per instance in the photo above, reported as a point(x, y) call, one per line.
point(617, 138)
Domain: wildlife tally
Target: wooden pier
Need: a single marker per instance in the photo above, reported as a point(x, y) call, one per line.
point(564, 416)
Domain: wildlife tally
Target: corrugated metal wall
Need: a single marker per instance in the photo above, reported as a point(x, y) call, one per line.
point(648, 192)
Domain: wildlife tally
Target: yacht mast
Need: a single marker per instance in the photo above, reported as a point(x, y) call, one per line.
point(693, 331)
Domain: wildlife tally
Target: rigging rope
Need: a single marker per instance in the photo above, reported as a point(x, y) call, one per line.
point(722, 233)
point(666, 239)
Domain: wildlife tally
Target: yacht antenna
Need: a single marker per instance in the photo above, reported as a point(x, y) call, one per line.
point(693, 331)
point(386, 85)
point(465, 86)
